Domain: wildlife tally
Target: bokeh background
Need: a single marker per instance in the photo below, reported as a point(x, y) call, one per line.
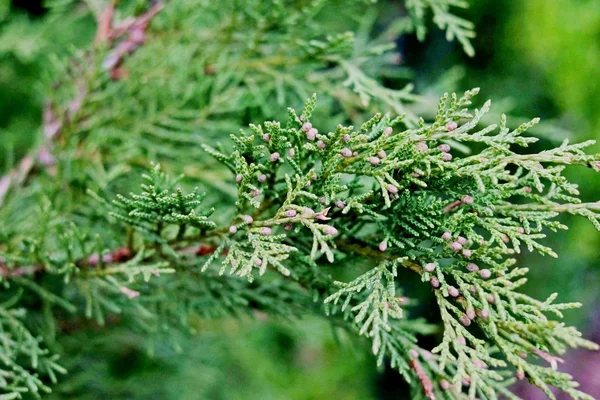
point(533, 58)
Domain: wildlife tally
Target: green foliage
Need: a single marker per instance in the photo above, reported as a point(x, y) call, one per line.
point(297, 221)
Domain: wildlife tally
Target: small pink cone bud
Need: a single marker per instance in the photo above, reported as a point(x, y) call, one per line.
point(520, 375)
point(505, 238)
point(321, 144)
point(484, 314)
point(466, 199)
point(258, 262)
point(247, 219)
point(447, 157)
point(520, 230)
point(444, 148)
point(132, 294)
point(480, 364)
point(94, 259)
point(381, 154)
point(451, 126)
point(262, 178)
point(355, 153)
point(446, 236)
point(491, 298)
point(266, 137)
point(287, 227)
point(467, 253)
point(461, 240)
point(346, 152)
point(444, 384)
point(388, 130)
point(266, 231)
point(471, 313)
point(472, 267)
point(275, 157)
point(429, 267)
point(464, 320)
point(340, 204)
point(308, 211)
point(346, 138)
point(374, 160)
point(434, 282)
point(232, 229)
point(255, 193)
point(392, 189)
point(306, 127)
point(422, 146)
point(311, 134)
point(455, 246)
point(461, 340)
point(413, 354)
point(292, 152)
point(291, 213)
point(238, 178)
point(323, 200)
point(330, 230)
point(383, 246)
point(485, 273)
point(452, 291)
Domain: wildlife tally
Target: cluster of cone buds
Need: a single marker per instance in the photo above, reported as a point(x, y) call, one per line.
point(458, 244)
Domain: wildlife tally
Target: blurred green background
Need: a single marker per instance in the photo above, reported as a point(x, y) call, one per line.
point(534, 58)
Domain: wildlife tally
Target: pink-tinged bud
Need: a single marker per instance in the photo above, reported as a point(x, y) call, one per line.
point(452, 291)
point(455, 246)
point(480, 364)
point(323, 200)
point(466, 199)
point(446, 236)
point(434, 282)
point(346, 152)
point(306, 127)
point(292, 152)
point(302, 118)
point(523, 355)
point(444, 148)
point(415, 174)
point(287, 227)
point(520, 230)
point(505, 238)
point(258, 262)
point(238, 178)
point(232, 229)
point(447, 157)
point(307, 184)
point(461, 340)
point(467, 253)
point(464, 320)
point(388, 130)
point(520, 375)
point(527, 189)
point(308, 211)
point(484, 314)
point(266, 231)
point(461, 240)
point(413, 354)
point(340, 204)
point(596, 166)
point(381, 154)
point(422, 146)
point(485, 273)
point(132, 294)
point(429, 267)
point(392, 189)
point(266, 137)
point(483, 160)
point(444, 384)
point(491, 298)
point(330, 230)
point(346, 138)
point(472, 267)
point(262, 178)
point(312, 134)
point(451, 126)
point(470, 313)
point(321, 144)
point(94, 259)
point(255, 193)
point(275, 157)
point(247, 219)
point(467, 380)
point(291, 213)
point(374, 160)
point(473, 290)
point(383, 246)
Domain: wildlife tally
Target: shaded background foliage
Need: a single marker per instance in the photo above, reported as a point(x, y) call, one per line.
point(533, 58)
